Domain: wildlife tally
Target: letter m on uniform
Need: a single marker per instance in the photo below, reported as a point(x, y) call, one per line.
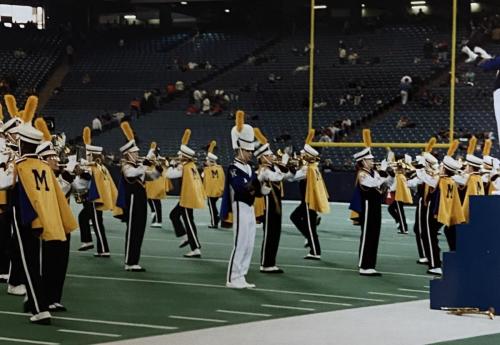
point(449, 191)
point(215, 174)
point(40, 179)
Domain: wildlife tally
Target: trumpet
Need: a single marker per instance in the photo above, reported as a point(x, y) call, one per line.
point(468, 310)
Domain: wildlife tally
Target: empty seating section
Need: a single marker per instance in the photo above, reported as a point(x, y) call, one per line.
point(28, 56)
point(118, 74)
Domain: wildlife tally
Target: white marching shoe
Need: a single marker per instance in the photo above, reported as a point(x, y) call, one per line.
point(134, 268)
point(369, 272)
point(156, 225)
point(19, 290)
point(436, 271)
point(42, 318)
point(482, 53)
point(193, 254)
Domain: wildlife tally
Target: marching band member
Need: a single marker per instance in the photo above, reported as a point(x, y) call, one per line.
point(157, 189)
point(400, 195)
point(241, 188)
point(271, 175)
point(213, 182)
point(101, 196)
point(55, 253)
point(488, 171)
point(16, 277)
point(314, 199)
point(443, 207)
point(39, 210)
point(367, 202)
point(4, 220)
point(132, 198)
point(429, 163)
point(192, 196)
point(469, 183)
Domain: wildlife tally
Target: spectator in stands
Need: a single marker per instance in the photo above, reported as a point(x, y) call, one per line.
point(319, 105)
point(69, 53)
point(325, 137)
point(97, 124)
point(358, 96)
point(342, 53)
point(192, 65)
point(121, 43)
point(428, 48)
point(205, 108)
point(469, 78)
point(326, 166)
point(19, 54)
point(404, 122)
point(342, 100)
point(346, 124)
point(171, 91)
point(179, 86)
point(442, 49)
point(135, 107)
point(405, 88)
point(352, 57)
point(86, 79)
point(272, 78)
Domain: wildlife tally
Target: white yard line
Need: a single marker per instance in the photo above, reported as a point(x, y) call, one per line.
point(242, 313)
point(27, 341)
point(105, 322)
point(168, 282)
point(195, 319)
point(286, 307)
point(110, 335)
point(412, 290)
point(390, 294)
point(324, 302)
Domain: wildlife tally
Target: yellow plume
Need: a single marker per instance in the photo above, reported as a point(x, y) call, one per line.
point(453, 147)
point(127, 130)
point(487, 147)
point(1, 112)
point(310, 136)
point(472, 145)
point(41, 125)
point(186, 136)
point(240, 120)
point(10, 102)
point(212, 145)
point(87, 136)
point(153, 145)
point(259, 136)
point(430, 144)
point(29, 109)
point(367, 137)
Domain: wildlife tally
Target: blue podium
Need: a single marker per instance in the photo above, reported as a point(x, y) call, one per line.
point(471, 274)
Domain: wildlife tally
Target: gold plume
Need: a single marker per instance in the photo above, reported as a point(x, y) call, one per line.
point(153, 145)
point(453, 148)
point(127, 130)
point(260, 136)
point(487, 147)
point(240, 120)
point(87, 136)
point(367, 137)
point(472, 145)
point(186, 136)
point(29, 109)
point(430, 145)
point(310, 136)
point(1, 112)
point(212, 145)
point(10, 102)
point(41, 125)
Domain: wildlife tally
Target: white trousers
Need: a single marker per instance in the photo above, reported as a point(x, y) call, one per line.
point(244, 228)
point(496, 104)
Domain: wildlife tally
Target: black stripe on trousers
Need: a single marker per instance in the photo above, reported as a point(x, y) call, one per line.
point(237, 218)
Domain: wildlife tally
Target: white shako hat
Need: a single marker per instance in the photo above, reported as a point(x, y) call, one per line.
point(365, 153)
point(185, 150)
point(26, 131)
point(308, 149)
point(130, 146)
point(451, 164)
point(87, 140)
point(429, 158)
point(242, 134)
point(474, 161)
point(46, 148)
point(210, 154)
point(264, 148)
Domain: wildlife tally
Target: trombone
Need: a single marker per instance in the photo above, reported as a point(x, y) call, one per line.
point(468, 310)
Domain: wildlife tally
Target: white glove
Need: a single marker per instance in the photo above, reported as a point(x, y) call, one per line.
point(496, 164)
point(407, 159)
point(285, 158)
point(265, 190)
point(70, 167)
point(420, 160)
point(390, 156)
point(383, 165)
